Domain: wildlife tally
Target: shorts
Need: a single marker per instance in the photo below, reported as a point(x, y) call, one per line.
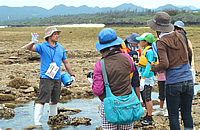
point(110, 126)
point(49, 90)
point(162, 92)
point(147, 93)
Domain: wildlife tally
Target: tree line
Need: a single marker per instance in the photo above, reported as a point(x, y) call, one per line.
point(125, 16)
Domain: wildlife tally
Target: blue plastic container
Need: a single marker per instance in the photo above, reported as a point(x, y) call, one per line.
point(65, 78)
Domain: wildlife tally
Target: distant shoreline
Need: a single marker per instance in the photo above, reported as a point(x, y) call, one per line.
point(66, 25)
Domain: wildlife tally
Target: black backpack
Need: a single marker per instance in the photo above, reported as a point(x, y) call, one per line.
point(189, 54)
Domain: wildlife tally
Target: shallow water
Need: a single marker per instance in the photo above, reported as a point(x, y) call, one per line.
point(24, 115)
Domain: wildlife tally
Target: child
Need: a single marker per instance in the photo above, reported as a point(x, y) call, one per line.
point(147, 80)
point(132, 43)
point(161, 84)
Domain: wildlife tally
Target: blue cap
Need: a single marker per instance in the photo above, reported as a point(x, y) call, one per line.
point(107, 38)
point(132, 38)
point(180, 24)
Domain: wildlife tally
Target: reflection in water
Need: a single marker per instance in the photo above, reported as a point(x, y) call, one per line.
point(24, 115)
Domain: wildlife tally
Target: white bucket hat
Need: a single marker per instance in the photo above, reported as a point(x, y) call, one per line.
point(180, 24)
point(50, 30)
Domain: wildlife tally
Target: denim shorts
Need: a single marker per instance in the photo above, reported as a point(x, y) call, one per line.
point(49, 90)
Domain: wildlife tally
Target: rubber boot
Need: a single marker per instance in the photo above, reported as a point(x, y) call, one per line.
point(53, 110)
point(38, 114)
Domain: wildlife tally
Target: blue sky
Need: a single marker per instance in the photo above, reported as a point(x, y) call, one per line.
point(100, 3)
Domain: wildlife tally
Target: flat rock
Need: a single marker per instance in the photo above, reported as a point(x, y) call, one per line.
point(7, 97)
point(63, 109)
point(13, 57)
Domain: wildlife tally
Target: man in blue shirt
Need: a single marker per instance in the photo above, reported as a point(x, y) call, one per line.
point(51, 55)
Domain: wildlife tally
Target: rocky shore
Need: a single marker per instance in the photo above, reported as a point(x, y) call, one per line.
point(19, 69)
point(21, 86)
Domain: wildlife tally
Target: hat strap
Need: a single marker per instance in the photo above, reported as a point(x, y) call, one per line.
point(162, 24)
point(109, 41)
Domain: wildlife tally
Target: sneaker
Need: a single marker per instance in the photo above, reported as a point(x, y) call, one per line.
point(166, 113)
point(147, 121)
point(158, 112)
point(144, 117)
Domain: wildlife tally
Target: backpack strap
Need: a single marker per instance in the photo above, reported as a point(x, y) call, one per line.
point(185, 37)
point(105, 78)
point(103, 69)
point(148, 48)
point(189, 54)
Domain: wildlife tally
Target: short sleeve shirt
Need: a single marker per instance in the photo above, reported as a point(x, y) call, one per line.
point(48, 55)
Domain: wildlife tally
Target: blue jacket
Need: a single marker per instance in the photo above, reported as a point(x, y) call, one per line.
point(146, 72)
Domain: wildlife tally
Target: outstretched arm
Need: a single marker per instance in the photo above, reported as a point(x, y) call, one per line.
point(30, 46)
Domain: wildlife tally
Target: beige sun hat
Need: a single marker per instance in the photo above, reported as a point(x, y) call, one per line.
point(161, 22)
point(50, 30)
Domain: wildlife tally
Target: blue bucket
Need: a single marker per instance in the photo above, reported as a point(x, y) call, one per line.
point(65, 78)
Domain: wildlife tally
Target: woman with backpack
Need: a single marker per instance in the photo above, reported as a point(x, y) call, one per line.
point(118, 68)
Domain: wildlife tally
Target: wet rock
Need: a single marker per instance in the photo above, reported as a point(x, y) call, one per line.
point(34, 57)
point(7, 97)
point(58, 120)
point(8, 129)
point(195, 102)
point(63, 109)
point(80, 121)
point(198, 93)
point(11, 76)
point(23, 87)
point(83, 84)
point(17, 82)
point(63, 119)
point(68, 112)
point(22, 99)
point(29, 90)
point(74, 85)
point(65, 91)
point(32, 94)
point(30, 127)
point(13, 57)
point(36, 88)
point(77, 91)
point(67, 97)
point(10, 105)
point(6, 113)
point(7, 91)
point(81, 61)
point(99, 128)
point(88, 90)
